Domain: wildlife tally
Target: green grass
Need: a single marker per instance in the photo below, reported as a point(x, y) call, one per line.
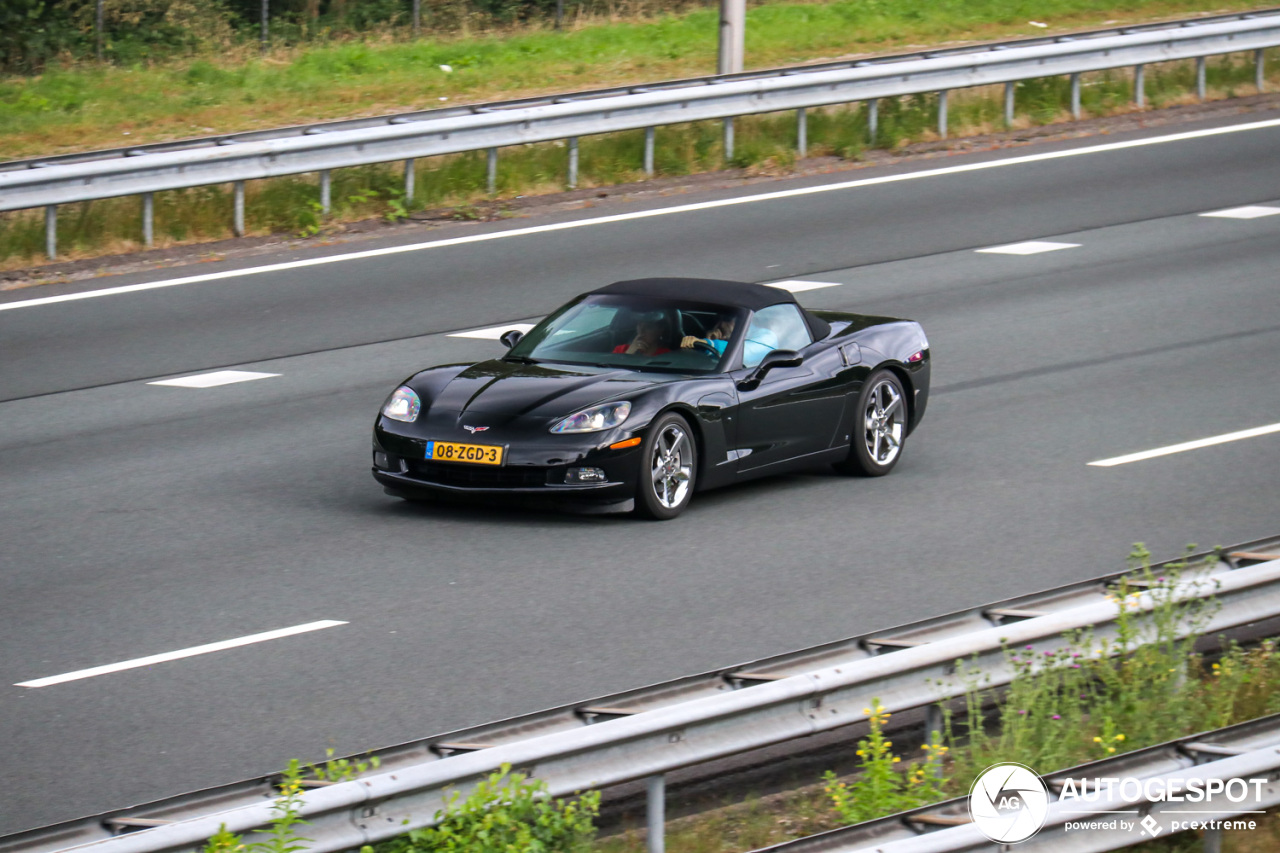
point(90, 107)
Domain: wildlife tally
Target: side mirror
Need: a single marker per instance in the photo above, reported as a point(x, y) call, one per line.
point(511, 337)
point(775, 358)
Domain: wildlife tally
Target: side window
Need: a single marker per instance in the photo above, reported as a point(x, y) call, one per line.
point(775, 327)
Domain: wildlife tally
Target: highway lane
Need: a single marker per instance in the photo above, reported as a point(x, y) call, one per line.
point(140, 519)
point(288, 312)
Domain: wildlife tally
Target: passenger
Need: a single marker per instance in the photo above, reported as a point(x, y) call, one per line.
point(650, 339)
point(717, 338)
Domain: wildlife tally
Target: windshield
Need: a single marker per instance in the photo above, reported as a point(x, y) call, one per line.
point(636, 333)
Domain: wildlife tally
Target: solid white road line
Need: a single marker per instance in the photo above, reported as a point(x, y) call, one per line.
point(493, 332)
point(645, 214)
point(796, 286)
point(1190, 445)
point(1031, 247)
point(213, 380)
point(1250, 212)
point(182, 653)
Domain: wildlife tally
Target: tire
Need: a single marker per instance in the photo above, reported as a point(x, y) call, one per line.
point(668, 468)
point(879, 427)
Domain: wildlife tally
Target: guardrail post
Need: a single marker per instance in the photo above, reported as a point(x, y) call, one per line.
point(410, 181)
point(573, 162)
point(728, 140)
point(942, 114)
point(1213, 841)
point(491, 171)
point(649, 133)
point(1258, 67)
point(325, 192)
point(1200, 88)
point(148, 219)
point(656, 813)
point(1008, 104)
point(873, 120)
point(51, 231)
point(1139, 85)
point(802, 132)
point(237, 222)
point(1075, 96)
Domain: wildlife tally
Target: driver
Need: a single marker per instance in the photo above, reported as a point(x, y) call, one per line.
point(717, 338)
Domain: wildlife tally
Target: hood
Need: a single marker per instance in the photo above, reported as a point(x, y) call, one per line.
point(502, 391)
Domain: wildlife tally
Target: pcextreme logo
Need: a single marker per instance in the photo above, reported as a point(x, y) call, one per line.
point(1008, 803)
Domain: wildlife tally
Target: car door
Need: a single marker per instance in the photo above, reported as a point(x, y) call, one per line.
point(794, 411)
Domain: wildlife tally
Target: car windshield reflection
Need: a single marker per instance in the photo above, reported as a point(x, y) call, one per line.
point(635, 333)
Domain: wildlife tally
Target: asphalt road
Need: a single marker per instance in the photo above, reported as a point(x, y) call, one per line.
point(138, 519)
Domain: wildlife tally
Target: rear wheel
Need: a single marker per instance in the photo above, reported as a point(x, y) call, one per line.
point(880, 427)
point(668, 468)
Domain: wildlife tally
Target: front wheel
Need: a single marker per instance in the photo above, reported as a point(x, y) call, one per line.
point(668, 467)
point(880, 427)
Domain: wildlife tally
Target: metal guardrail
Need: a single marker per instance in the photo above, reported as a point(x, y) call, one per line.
point(1247, 750)
point(322, 148)
point(646, 733)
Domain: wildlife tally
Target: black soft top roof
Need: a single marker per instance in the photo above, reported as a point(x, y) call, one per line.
point(736, 294)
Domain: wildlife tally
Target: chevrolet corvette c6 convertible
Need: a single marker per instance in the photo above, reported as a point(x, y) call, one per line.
point(639, 394)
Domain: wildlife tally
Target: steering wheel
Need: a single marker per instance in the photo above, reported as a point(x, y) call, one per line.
point(706, 348)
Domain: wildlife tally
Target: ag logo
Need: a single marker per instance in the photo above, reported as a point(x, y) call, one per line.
point(1008, 803)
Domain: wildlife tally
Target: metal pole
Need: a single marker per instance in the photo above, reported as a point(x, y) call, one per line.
point(265, 15)
point(942, 114)
point(1139, 85)
point(237, 222)
point(51, 231)
point(325, 193)
point(1008, 104)
point(491, 179)
point(1200, 87)
point(648, 151)
point(410, 184)
point(655, 814)
point(417, 17)
point(733, 25)
point(933, 724)
point(728, 140)
point(1075, 96)
point(802, 132)
point(873, 120)
point(97, 29)
point(148, 219)
point(1213, 841)
point(1258, 78)
point(559, 13)
point(573, 162)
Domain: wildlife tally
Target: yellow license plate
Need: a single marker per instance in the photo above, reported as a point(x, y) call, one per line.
point(450, 451)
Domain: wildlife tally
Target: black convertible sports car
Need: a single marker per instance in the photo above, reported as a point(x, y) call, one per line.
point(636, 395)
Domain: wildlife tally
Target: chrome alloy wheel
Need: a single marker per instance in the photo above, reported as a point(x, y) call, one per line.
point(671, 466)
point(884, 422)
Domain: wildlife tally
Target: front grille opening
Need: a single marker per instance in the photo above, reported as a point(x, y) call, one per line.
point(478, 476)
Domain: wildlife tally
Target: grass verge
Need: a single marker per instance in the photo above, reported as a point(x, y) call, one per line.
point(92, 107)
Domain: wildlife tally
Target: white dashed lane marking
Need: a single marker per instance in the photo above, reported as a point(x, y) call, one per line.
point(1250, 212)
point(1030, 247)
point(181, 653)
point(493, 332)
point(212, 380)
point(797, 286)
point(1189, 445)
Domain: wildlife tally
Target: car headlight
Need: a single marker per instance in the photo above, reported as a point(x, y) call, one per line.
point(596, 418)
point(403, 405)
